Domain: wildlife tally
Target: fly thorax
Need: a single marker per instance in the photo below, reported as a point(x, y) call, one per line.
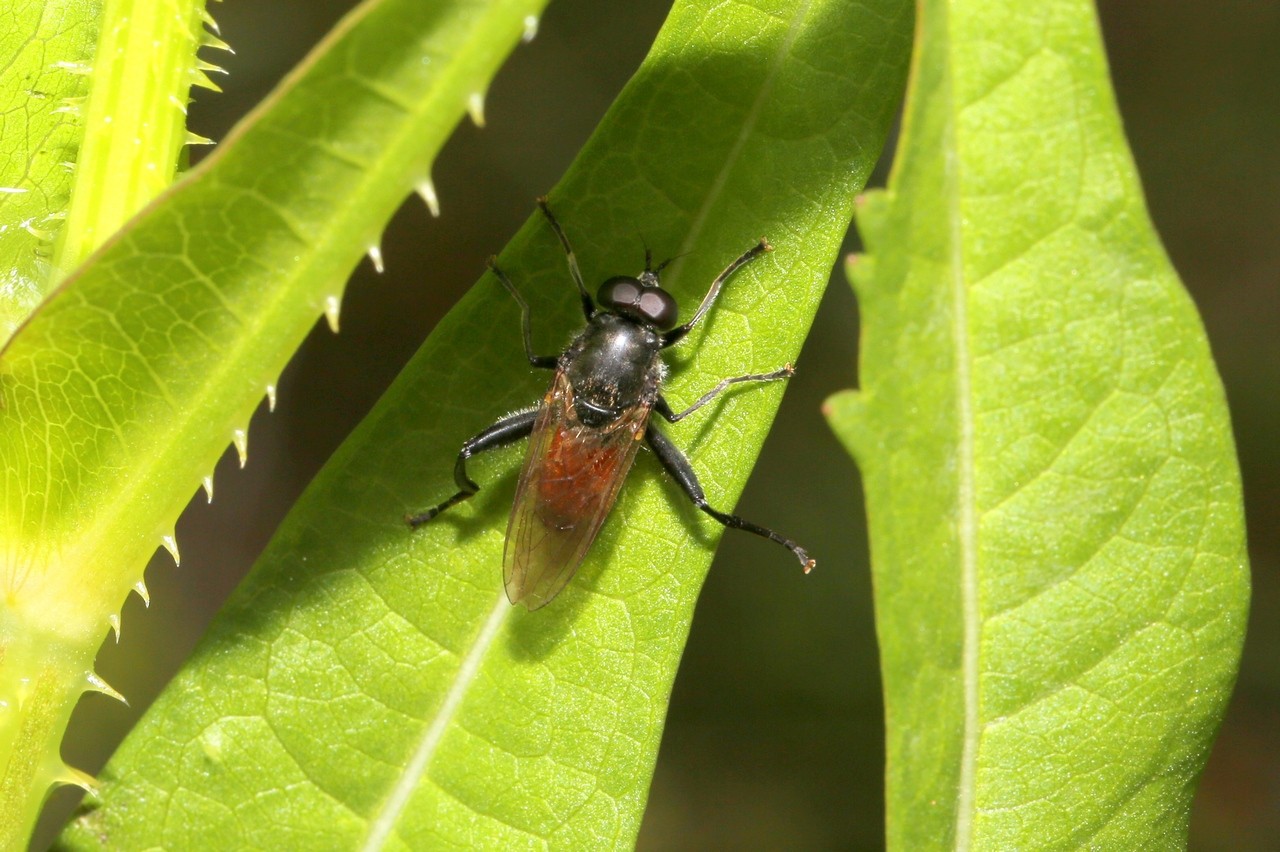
point(613, 365)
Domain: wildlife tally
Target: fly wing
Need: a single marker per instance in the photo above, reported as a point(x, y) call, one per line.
point(569, 482)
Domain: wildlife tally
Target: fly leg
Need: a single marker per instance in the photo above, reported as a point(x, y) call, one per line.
point(664, 408)
point(546, 362)
point(677, 334)
point(588, 306)
point(682, 472)
point(506, 431)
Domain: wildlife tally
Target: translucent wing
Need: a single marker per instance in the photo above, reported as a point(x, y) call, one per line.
point(568, 485)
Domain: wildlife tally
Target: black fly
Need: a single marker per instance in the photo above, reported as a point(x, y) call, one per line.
point(585, 434)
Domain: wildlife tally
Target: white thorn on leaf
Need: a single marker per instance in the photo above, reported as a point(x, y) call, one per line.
point(332, 307)
point(97, 684)
point(201, 79)
point(209, 66)
point(171, 544)
point(174, 101)
point(114, 620)
point(196, 139)
point(82, 69)
point(75, 778)
point(271, 397)
point(427, 192)
point(530, 28)
point(11, 190)
point(375, 255)
point(207, 484)
point(141, 588)
point(211, 40)
point(241, 439)
point(208, 20)
point(475, 106)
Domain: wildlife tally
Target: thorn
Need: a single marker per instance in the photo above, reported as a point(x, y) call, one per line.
point(196, 139)
point(375, 255)
point(97, 684)
point(71, 106)
point(475, 106)
point(174, 101)
point(209, 66)
point(332, 307)
point(427, 192)
point(207, 484)
point(201, 79)
point(530, 28)
point(82, 69)
point(211, 40)
point(241, 439)
point(75, 778)
point(141, 588)
point(38, 233)
point(271, 397)
point(208, 20)
point(171, 544)
point(114, 621)
point(11, 190)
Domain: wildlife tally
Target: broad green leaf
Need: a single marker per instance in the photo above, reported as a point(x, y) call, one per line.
point(46, 45)
point(124, 388)
point(1054, 501)
point(372, 687)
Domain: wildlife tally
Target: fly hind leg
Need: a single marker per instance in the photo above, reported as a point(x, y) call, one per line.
point(681, 471)
point(508, 430)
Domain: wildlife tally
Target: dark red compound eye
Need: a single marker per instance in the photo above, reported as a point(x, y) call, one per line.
point(630, 297)
point(658, 307)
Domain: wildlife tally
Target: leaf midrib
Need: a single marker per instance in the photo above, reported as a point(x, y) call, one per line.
point(966, 522)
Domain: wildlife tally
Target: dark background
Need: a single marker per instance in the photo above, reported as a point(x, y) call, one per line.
point(774, 733)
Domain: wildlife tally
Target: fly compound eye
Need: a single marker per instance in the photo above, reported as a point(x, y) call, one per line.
point(658, 307)
point(620, 293)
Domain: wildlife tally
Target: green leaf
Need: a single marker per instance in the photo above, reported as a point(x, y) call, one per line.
point(124, 388)
point(369, 685)
point(47, 45)
point(1054, 500)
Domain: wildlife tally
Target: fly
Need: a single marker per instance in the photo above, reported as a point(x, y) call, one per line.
point(584, 435)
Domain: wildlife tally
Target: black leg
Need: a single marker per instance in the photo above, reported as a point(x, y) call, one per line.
point(508, 430)
point(678, 466)
point(588, 306)
point(664, 408)
point(546, 362)
point(676, 334)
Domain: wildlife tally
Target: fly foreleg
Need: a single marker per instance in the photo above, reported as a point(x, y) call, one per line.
point(546, 362)
point(675, 463)
point(664, 408)
point(508, 430)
